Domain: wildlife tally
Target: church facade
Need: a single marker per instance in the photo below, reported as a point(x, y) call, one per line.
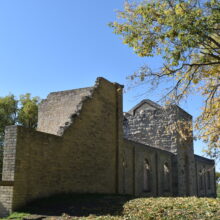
point(84, 143)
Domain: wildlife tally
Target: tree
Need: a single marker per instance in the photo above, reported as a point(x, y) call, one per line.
point(186, 34)
point(22, 112)
point(8, 113)
point(27, 114)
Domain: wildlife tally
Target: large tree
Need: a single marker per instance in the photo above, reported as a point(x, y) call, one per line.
point(14, 111)
point(186, 34)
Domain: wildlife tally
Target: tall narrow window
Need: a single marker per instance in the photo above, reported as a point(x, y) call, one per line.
point(209, 179)
point(147, 176)
point(166, 177)
point(201, 182)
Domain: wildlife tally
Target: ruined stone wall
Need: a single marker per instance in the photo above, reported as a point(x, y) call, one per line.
point(128, 174)
point(149, 127)
point(6, 197)
point(8, 171)
point(205, 173)
point(159, 128)
point(84, 159)
point(135, 156)
point(56, 110)
point(85, 151)
point(38, 166)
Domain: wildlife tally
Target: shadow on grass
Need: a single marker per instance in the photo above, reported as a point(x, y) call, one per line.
point(78, 205)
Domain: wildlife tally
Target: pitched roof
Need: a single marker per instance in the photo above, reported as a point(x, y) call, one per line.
point(144, 101)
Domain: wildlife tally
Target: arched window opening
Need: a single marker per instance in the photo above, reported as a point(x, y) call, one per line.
point(147, 176)
point(166, 177)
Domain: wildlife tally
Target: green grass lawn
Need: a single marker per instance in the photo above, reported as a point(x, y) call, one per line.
point(125, 208)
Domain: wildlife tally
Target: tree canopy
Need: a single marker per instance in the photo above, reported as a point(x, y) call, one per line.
point(21, 111)
point(8, 113)
point(28, 111)
point(13, 111)
point(186, 34)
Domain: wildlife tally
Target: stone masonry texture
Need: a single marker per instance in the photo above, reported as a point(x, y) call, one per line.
point(84, 144)
point(149, 123)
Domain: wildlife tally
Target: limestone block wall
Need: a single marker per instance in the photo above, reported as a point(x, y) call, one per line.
point(135, 156)
point(150, 127)
point(79, 148)
point(205, 173)
point(159, 127)
point(6, 198)
point(38, 166)
point(56, 110)
point(8, 171)
point(9, 153)
point(185, 154)
point(128, 174)
point(84, 159)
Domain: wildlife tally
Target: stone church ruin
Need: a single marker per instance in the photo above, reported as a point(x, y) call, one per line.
point(85, 144)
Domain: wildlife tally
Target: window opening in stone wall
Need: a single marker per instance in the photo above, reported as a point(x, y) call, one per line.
point(201, 180)
point(166, 177)
point(147, 176)
point(124, 174)
point(209, 179)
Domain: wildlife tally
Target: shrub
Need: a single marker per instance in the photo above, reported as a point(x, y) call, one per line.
point(183, 208)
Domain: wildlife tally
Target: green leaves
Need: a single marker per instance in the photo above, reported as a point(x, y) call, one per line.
point(162, 208)
point(178, 25)
point(27, 114)
point(186, 34)
point(172, 208)
point(8, 111)
point(22, 111)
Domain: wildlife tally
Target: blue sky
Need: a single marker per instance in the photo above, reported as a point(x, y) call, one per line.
point(53, 45)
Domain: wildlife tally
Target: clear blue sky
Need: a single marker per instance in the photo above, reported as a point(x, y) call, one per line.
point(53, 45)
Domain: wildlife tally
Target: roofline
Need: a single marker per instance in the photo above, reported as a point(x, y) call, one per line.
point(150, 147)
point(201, 158)
point(148, 101)
point(70, 90)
